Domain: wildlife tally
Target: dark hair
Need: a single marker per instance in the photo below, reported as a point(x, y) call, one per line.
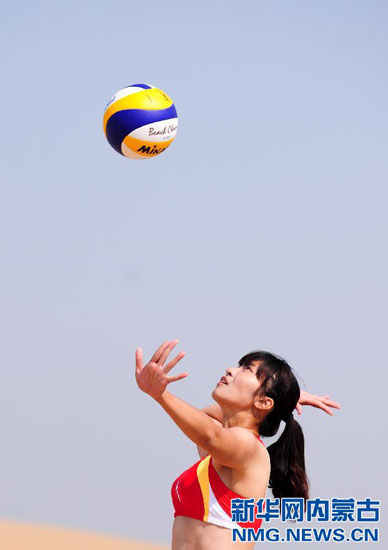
point(288, 474)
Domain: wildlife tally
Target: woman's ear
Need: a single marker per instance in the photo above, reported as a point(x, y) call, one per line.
point(263, 403)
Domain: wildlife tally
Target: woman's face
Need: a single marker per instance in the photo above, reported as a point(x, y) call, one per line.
point(238, 386)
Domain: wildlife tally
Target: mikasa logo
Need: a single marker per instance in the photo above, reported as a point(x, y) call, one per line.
point(149, 151)
point(167, 129)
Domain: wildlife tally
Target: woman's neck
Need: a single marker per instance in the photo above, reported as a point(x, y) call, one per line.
point(240, 419)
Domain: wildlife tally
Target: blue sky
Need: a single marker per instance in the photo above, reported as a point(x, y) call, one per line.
point(263, 226)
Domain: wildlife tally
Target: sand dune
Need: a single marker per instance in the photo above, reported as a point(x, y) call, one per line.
point(23, 536)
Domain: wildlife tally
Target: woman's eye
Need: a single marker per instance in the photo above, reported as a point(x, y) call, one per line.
point(247, 367)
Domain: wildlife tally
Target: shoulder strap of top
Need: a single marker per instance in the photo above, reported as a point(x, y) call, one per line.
point(259, 438)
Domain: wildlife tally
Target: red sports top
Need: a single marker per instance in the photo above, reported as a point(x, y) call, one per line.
point(200, 493)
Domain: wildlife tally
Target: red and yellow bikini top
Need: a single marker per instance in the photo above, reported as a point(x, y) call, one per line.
point(200, 493)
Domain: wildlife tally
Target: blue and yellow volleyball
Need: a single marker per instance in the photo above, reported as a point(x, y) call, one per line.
point(140, 121)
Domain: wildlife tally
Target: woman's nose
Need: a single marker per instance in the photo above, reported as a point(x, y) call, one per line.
point(229, 371)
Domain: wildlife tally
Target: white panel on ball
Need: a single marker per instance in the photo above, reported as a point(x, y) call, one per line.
point(127, 152)
point(157, 131)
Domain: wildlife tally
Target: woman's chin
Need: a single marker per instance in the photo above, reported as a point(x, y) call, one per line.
point(215, 393)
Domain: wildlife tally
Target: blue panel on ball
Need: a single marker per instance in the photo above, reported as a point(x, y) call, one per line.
point(124, 122)
point(144, 86)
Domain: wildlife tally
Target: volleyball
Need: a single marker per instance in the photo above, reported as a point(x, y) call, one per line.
point(140, 121)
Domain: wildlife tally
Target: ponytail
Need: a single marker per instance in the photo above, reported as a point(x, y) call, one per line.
point(288, 476)
point(288, 473)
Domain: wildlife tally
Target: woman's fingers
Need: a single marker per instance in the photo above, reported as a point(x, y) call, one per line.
point(139, 360)
point(177, 377)
point(158, 353)
point(325, 406)
point(173, 362)
point(320, 405)
point(166, 352)
point(330, 403)
point(322, 402)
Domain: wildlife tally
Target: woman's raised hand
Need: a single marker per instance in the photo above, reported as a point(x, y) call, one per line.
point(319, 401)
point(152, 378)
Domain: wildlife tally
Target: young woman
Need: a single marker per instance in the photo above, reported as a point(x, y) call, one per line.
point(250, 399)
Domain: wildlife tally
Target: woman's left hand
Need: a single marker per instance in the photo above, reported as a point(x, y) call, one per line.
point(319, 401)
point(152, 378)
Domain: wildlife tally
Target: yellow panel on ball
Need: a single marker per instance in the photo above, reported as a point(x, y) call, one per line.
point(143, 148)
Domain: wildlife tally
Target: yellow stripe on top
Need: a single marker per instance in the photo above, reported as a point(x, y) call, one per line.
point(151, 100)
point(203, 479)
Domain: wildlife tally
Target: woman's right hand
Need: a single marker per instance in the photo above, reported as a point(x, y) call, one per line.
point(319, 401)
point(152, 378)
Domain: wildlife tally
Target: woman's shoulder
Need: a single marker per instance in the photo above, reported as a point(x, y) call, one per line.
point(252, 442)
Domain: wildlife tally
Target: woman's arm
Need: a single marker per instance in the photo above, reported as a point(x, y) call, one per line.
point(231, 447)
point(322, 402)
point(214, 411)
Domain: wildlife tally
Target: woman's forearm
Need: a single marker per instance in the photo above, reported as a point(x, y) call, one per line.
point(194, 423)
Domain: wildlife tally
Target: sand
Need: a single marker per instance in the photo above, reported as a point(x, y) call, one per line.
point(23, 536)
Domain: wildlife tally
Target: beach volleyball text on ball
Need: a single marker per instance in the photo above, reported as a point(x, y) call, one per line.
point(140, 121)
